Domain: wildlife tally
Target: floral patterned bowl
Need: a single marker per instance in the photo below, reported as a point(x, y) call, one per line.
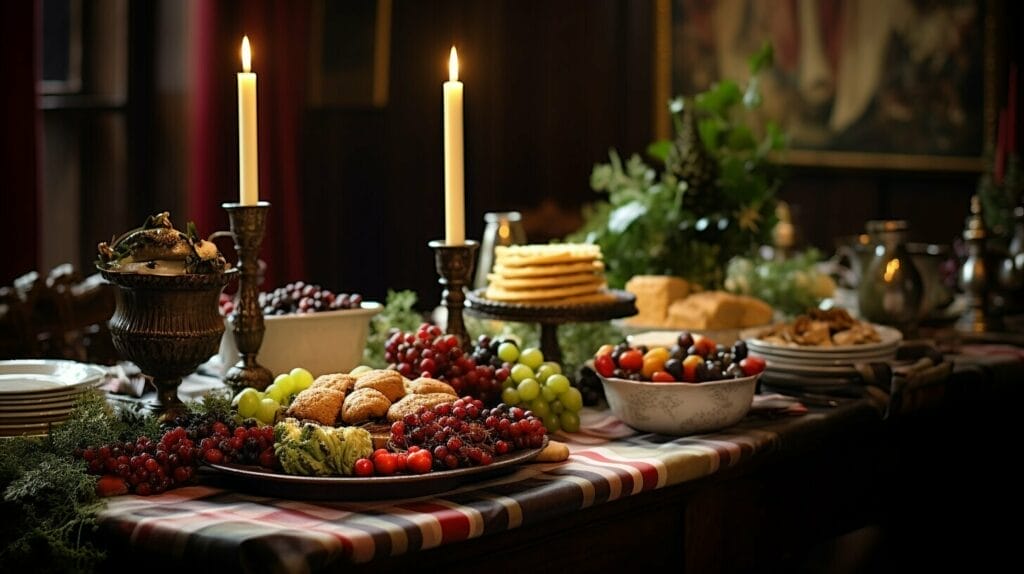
point(680, 408)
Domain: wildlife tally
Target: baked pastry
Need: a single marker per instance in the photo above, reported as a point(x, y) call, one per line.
point(426, 385)
point(654, 295)
point(570, 273)
point(410, 404)
point(389, 383)
point(364, 404)
point(715, 310)
point(755, 311)
point(321, 404)
point(706, 311)
point(339, 381)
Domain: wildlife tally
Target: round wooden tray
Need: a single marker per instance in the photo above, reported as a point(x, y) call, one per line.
point(550, 316)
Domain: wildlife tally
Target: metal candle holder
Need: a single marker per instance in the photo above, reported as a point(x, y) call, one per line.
point(455, 270)
point(248, 223)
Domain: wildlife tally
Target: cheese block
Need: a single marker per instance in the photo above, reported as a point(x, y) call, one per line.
point(654, 294)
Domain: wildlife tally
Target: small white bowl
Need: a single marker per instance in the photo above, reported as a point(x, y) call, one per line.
point(680, 408)
point(322, 343)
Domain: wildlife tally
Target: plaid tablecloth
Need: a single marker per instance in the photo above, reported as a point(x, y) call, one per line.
point(608, 461)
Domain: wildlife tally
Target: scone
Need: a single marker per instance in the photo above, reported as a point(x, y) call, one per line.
point(411, 404)
point(364, 404)
point(339, 381)
point(425, 385)
point(389, 383)
point(321, 404)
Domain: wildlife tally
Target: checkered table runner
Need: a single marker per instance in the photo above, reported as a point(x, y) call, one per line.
point(608, 461)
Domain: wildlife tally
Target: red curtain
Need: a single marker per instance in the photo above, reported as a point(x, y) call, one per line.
point(19, 132)
point(277, 30)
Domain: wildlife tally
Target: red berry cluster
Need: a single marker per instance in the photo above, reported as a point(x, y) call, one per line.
point(430, 353)
point(465, 433)
point(143, 467)
point(242, 445)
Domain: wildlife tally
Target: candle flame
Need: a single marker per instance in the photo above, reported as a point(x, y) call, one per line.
point(453, 66)
point(246, 55)
point(890, 270)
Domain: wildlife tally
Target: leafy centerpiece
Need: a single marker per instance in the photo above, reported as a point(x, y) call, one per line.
point(713, 198)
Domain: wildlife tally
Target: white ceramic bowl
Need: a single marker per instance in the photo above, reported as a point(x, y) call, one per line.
point(680, 408)
point(325, 342)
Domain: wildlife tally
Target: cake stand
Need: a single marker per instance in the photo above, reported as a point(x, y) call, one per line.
point(550, 316)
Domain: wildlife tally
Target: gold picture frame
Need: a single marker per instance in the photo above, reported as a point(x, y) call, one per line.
point(990, 32)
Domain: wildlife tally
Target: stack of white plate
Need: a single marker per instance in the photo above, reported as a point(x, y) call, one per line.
point(821, 368)
point(35, 394)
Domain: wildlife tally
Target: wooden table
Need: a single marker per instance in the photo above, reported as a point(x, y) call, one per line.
point(915, 491)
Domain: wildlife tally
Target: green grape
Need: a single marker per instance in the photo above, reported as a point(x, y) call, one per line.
point(547, 394)
point(360, 370)
point(521, 372)
point(558, 383)
point(276, 393)
point(570, 421)
point(267, 411)
point(508, 383)
point(286, 383)
point(531, 357)
point(544, 372)
point(510, 396)
point(572, 399)
point(528, 389)
point(248, 402)
point(557, 407)
point(508, 352)
point(539, 407)
point(553, 365)
point(303, 379)
point(551, 422)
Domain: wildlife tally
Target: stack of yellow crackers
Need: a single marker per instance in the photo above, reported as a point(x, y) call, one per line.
point(570, 273)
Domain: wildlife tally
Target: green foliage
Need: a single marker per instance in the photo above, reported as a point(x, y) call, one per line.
point(398, 314)
point(215, 404)
point(791, 286)
point(646, 227)
point(49, 501)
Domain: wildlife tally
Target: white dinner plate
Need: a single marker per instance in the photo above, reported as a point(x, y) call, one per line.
point(889, 338)
point(35, 378)
point(33, 416)
point(24, 407)
point(826, 361)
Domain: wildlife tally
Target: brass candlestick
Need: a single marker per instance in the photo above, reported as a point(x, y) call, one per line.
point(248, 223)
point(455, 269)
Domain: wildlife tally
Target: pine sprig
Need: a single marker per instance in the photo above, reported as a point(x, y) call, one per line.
point(47, 498)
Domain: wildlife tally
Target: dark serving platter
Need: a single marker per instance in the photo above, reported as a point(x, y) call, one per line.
point(259, 480)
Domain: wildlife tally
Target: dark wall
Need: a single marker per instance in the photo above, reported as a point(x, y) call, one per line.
point(549, 88)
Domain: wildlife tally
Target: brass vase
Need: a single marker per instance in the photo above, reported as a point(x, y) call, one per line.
point(167, 325)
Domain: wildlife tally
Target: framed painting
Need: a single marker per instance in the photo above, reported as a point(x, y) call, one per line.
point(882, 84)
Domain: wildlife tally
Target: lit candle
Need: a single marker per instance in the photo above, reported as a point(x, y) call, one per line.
point(248, 158)
point(454, 176)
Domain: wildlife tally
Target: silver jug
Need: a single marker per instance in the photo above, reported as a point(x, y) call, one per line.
point(503, 228)
point(890, 290)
